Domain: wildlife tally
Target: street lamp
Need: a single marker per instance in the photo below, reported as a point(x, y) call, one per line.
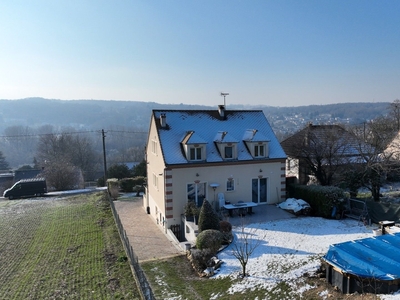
point(214, 186)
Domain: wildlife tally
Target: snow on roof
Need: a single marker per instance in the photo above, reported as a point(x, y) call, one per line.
point(208, 125)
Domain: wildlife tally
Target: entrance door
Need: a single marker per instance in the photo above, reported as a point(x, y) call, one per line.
point(259, 190)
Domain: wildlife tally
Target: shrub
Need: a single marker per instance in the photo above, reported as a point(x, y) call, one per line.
point(208, 219)
point(191, 210)
point(322, 199)
point(126, 185)
point(200, 258)
point(134, 184)
point(226, 229)
point(209, 239)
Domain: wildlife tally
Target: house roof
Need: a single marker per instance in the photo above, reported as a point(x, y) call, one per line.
point(345, 142)
point(375, 257)
point(208, 127)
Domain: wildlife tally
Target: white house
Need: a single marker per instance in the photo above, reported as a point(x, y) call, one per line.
point(198, 154)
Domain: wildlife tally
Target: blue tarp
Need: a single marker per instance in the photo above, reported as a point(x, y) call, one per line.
point(377, 257)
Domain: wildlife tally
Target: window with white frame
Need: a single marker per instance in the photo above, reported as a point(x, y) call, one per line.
point(155, 180)
point(259, 150)
point(154, 147)
point(195, 153)
point(230, 185)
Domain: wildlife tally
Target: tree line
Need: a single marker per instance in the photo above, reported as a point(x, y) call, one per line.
point(352, 156)
point(68, 158)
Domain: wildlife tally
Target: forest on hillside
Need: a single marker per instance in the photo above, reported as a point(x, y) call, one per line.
point(125, 123)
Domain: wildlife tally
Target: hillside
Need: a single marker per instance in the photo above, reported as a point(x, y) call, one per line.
point(24, 121)
point(99, 114)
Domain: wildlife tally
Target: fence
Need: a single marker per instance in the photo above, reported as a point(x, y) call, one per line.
point(145, 289)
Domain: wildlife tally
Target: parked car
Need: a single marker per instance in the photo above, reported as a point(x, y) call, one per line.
point(26, 187)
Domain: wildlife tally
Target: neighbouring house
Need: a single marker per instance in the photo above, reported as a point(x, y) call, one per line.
point(201, 154)
point(392, 150)
point(318, 152)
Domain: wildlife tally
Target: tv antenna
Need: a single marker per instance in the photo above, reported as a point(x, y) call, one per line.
point(224, 95)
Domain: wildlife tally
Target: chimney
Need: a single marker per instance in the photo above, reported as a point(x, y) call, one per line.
point(163, 120)
point(221, 111)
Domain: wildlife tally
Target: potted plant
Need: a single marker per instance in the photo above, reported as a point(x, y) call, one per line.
point(192, 211)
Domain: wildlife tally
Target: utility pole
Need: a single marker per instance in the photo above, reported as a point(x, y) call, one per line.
point(104, 157)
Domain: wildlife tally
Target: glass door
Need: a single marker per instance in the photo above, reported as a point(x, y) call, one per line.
point(259, 190)
point(196, 192)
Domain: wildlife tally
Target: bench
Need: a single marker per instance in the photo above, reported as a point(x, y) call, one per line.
point(357, 210)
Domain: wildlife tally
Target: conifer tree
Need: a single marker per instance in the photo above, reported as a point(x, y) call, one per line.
point(208, 219)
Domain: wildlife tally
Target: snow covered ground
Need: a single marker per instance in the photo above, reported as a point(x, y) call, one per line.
point(289, 248)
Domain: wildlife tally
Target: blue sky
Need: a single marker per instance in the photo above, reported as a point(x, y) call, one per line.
point(279, 53)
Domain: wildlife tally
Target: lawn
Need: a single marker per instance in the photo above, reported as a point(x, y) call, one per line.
point(65, 248)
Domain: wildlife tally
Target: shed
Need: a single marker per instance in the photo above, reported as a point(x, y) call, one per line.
point(370, 265)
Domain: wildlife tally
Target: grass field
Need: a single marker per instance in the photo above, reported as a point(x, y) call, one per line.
point(62, 249)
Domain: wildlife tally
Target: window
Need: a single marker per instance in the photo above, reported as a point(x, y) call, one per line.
point(154, 147)
point(230, 185)
point(195, 153)
point(228, 152)
point(155, 181)
point(259, 151)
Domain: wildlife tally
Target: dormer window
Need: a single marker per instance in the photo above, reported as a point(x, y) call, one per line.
point(259, 150)
point(226, 144)
point(228, 152)
point(194, 147)
point(195, 153)
point(256, 143)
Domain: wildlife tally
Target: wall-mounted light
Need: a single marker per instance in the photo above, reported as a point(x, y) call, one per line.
point(260, 170)
point(197, 175)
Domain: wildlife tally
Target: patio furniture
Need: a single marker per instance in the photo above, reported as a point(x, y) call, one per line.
point(240, 205)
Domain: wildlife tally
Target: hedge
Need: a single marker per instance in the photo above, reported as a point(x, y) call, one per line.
point(322, 199)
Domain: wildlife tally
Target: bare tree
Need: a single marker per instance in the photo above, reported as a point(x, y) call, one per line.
point(3, 163)
point(74, 150)
point(61, 175)
point(321, 150)
point(246, 242)
point(376, 159)
point(19, 144)
point(395, 112)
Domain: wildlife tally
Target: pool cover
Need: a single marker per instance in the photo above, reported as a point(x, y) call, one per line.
point(377, 257)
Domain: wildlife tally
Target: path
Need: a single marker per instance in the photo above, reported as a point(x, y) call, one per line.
point(146, 239)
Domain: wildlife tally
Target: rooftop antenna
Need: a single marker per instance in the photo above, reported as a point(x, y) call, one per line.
point(224, 95)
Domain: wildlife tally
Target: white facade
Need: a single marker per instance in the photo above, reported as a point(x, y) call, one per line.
point(212, 171)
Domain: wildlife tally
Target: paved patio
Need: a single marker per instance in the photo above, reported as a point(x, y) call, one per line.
point(261, 213)
point(149, 242)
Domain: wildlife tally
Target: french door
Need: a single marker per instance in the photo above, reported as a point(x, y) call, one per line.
point(196, 192)
point(259, 190)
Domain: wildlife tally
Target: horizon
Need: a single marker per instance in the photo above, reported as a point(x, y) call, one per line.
point(197, 104)
point(272, 53)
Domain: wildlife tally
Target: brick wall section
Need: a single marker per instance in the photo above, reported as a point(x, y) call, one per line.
point(283, 181)
point(169, 203)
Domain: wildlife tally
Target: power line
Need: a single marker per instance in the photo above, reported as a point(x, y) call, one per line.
point(73, 132)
